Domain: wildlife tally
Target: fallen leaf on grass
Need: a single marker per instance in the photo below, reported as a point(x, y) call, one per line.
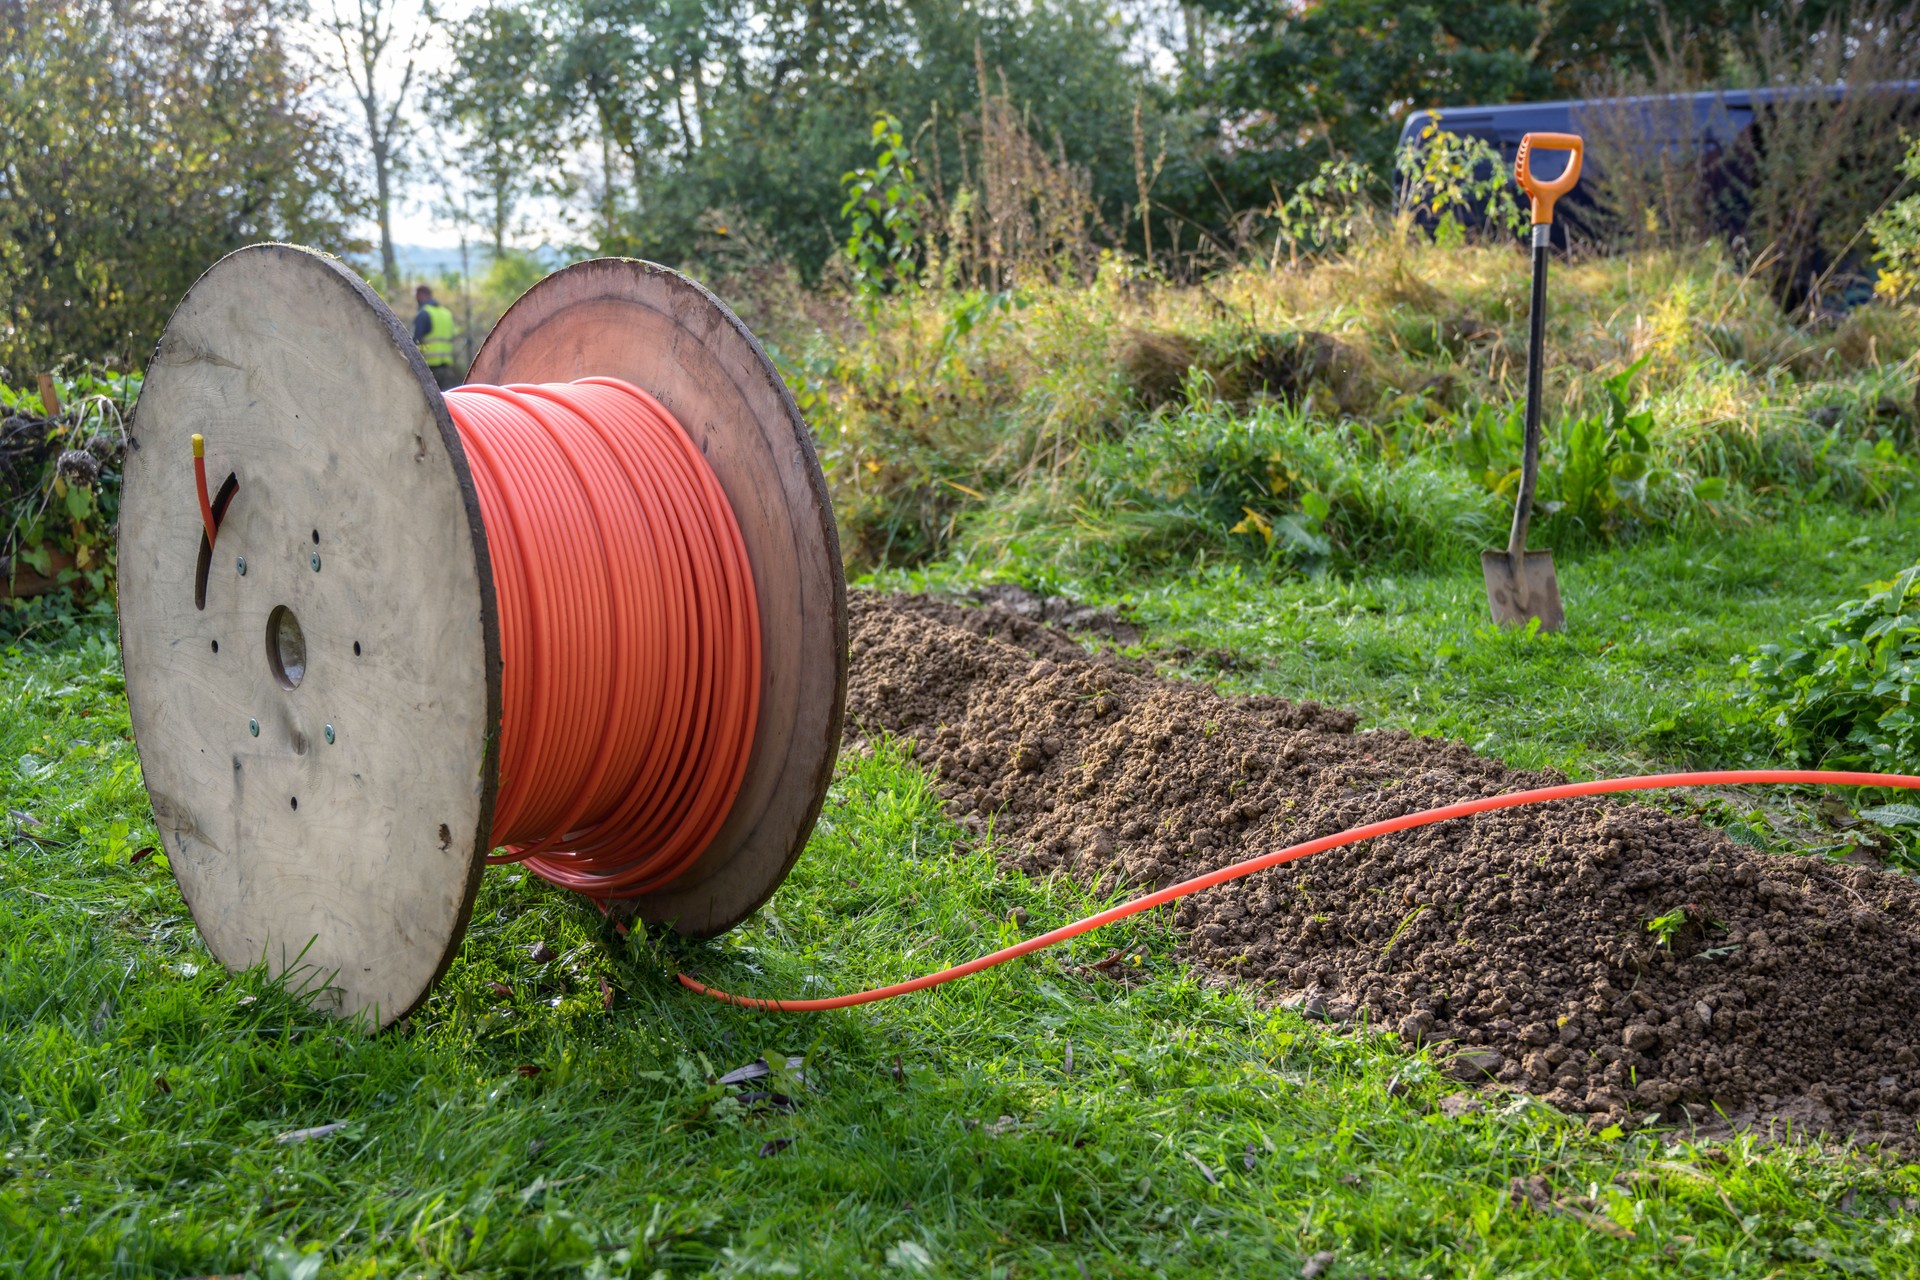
point(740, 1075)
point(21, 818)
point(308, 1135)
point(1534, 1192)
point(140, 855)
point(1650, 1177)
point(528, 1069)
point(899, 1072)
point(1455, 1105)
point(909, 1255)
point(1317, 1265)
point(759, 1098)
point(774, 1146)
point(758, 1068)
point(160, 1083)
point(1201, 1166)
point(1594, 1221)
point(501, 990)
point(1251, 1158)
point(606, 994)
point(1002, 1127)
point(1530, 1193)
point(1837, 811)
point(540, 953)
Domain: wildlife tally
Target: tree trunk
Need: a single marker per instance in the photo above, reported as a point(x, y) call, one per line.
point(383, 194)
point(502, 202)
point(466, 304)
point(680, 110)
point(606, 190)
point(699, 98)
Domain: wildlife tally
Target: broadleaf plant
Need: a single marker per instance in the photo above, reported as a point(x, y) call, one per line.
point(1840, 693)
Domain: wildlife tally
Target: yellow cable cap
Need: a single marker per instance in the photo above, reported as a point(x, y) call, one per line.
point(199, 445)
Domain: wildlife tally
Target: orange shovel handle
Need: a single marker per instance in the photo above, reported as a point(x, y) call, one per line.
point(1543, 194)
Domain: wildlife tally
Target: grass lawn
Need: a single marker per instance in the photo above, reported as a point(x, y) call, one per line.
point(557, 1117)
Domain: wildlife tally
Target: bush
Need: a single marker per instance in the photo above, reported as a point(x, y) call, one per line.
point(1840, 694)
point(1455, 182)
point(140, 141)
point(1273, 484)
point(1896, 238)
point(60, 497)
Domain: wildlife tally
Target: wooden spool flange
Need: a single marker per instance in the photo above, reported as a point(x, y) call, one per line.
point(325, 794)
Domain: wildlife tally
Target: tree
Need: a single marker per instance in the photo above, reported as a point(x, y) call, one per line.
point(370, 45)
point(757, 108)
point(1335, 77)
point(140, 141)
point(638, 71)
point(513, 125)
point(1301, 82)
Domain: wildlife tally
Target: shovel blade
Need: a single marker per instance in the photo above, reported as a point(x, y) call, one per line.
point(1535, 593)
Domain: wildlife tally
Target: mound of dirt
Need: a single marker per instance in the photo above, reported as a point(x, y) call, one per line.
point(1517, 943)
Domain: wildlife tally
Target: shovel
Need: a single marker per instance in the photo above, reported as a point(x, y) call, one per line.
point(1520, 583)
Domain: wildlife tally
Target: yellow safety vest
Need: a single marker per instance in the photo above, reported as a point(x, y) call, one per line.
point(437, 346)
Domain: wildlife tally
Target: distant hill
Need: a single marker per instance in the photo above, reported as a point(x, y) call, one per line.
point(433, 261)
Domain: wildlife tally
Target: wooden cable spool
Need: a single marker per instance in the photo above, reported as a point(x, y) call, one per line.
point(317, 698)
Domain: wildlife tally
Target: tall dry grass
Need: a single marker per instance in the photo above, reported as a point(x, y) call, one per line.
point(955, 405)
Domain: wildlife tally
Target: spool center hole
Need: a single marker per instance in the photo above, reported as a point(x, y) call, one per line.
point(286, 648)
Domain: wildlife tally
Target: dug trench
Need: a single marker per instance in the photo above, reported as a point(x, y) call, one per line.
point(1616, 960)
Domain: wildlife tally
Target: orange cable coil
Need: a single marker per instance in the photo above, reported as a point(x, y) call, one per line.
point(629, 632)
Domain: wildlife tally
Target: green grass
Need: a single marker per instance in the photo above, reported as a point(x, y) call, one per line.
point(1641, 677)
point(619, 1158)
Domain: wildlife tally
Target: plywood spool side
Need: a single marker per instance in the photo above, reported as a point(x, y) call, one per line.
point(349, 867)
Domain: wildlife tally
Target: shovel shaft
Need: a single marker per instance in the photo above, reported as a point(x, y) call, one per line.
point(1530, 446)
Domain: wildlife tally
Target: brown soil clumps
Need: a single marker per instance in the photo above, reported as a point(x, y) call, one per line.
point(1517, 943)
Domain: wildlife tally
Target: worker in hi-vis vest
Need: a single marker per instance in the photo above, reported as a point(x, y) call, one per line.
point(433, 334)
